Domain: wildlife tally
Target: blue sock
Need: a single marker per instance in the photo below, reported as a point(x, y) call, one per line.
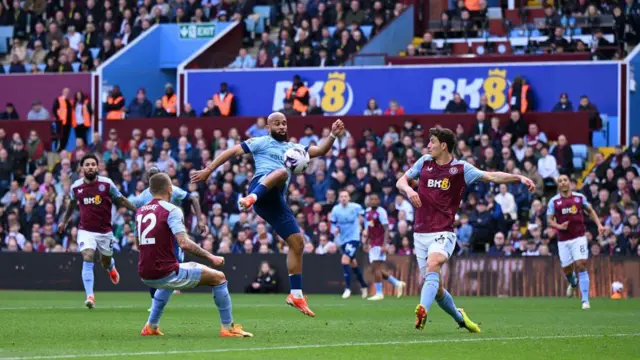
point(260, 190)
point(346, 272)
point(446, 304)
point(571, 278)
point(295, 282)
point(393, 281)
point(429, 289)
point(160, 300)
point(379, 288)
point(584, 285)
point(223, 302)
point(112, 264)
point(152, 292)
point(358, 274)
point(87, 277)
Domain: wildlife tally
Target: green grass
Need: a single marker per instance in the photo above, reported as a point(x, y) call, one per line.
point(47, 325)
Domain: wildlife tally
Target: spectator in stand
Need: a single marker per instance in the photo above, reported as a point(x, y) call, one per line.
point(484, 105)
point(394, 108)
point(265, 282)
point(169, 100)
point(355, 14)
point(595, 123)
point(309, 137)
point(16, 67)
point(38, 112)
point(288, 108)
point(634, 150)
point(298, 95)
point(521, 96)
point(268, 45)
point(264, 60)
point(106, 51)
point(481, 127)
point(9, 113)
point(159, 111)
point(563, 105)
point(428, 46)
point(258, 129)
point(517, 127)
point(547, 166)
point(39, 54)
point(115, 105)
point(372, 108)
point(534, 137)
point(141, 107)
point(563, 155)
point(314, 109)
point(243, 60)
point(224, 102)
point(456, 105)
point(187, 111)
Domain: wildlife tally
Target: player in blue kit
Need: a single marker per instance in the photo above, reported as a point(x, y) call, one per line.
point(267, 191)
point(346, 218)
point(177, 197)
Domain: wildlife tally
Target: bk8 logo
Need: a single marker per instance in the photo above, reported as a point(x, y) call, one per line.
point(495, 86)
point(334, 96)
point(443, 184)
point(97, 200)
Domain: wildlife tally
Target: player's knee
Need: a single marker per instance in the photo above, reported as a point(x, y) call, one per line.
point(87, 256)
point(296, 244)
point(581, 266)
point(219, 278)
point(354, 263)
point(434, 264)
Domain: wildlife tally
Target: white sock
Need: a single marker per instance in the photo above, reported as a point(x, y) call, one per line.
point(297, 293)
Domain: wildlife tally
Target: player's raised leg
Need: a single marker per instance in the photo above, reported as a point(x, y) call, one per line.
point(109, 264)
point(397, 284)
point(364, 290)
point(275, 179)
point(294, 267)
point(88, 277)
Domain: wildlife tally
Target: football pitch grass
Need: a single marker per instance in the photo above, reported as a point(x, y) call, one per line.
point(56, 325)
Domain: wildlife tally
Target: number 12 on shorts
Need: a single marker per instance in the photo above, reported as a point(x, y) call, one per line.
point(142, 235)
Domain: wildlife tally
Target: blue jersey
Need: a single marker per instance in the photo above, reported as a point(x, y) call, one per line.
point(268, 153)
point(177, 197)
point(347, 220)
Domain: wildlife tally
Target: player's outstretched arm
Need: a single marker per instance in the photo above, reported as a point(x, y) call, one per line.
point(499, 177)
point(195, 204)
point(325, 145)
point(551, 221)
point(192, 248)
point(203, 175)
point(403, 185)
point(73, 204)
point(124, 202)
point(592, 214)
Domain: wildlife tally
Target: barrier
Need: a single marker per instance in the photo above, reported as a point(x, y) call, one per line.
point(469, 276)
point(419, 89)
point(573, 125)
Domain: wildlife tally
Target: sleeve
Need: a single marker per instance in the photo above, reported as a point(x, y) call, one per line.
point(585, 202)
point(179, 194)
point(333, 216)
point(382, 216)
point(137, 200)
point(253, 145)
point(415, 170)
point(359, 210)
point(72, 194)
point(113, 190)
point(176, 221)
point(551, 209)
point(471, 173)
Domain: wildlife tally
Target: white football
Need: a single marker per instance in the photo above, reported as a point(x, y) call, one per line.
point(296, 159)
point(617, 286)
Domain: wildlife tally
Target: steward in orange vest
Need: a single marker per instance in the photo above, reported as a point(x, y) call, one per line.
point(520, 96)
point(81, 115)
point(299, 95)
point(169, 100)
point(224, 102)
point(63, 112)
point(115, 105)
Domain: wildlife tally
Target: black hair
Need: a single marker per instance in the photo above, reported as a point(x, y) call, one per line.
point(87, 157)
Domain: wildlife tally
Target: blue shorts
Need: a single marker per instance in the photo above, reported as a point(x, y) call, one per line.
point(273, 208)
point(350, 248)
point(187, 277)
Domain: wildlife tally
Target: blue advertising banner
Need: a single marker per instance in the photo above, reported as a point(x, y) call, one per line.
point(419, 89)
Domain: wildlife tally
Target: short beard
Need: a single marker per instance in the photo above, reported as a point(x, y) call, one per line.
point(90, 176)
point(279, 137)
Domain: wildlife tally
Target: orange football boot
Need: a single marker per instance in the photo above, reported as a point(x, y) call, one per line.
point(300, 304)
point(149, 331)
point(114, 275)
point(421, 317)
point(246, 203)
point(235, 331)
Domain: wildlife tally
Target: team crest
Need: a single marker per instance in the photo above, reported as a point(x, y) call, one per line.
point(453, 170)
point(577, 199)
point(101, 187)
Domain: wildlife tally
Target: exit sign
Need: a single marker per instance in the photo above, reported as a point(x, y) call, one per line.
point(197, 31)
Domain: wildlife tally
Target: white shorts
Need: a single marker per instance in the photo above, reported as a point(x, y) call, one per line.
point(188, 277)
point(571, 251)
point(376, 254)
point(441, 242)
point(91, 240)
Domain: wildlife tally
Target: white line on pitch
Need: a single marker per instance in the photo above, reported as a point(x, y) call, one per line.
point(318, 346)
point(175, 305)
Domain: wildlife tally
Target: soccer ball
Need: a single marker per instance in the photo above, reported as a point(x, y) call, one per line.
point(617, 287)
point(296, 159)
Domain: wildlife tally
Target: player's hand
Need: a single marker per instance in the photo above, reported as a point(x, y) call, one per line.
point(602, 230)
point(414, 198)
point(204, 229)
point(337, 127)
point(255, 285)
point(217, 261)
point(61, 227)
point(563, 226)
point(200, 176)
point(530, 185)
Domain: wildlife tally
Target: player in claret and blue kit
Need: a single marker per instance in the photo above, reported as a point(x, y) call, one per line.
point(94, 196)
point(267, 191)
point(158, 223)
point(565, 213)
point(346, 225)
point(442, 181)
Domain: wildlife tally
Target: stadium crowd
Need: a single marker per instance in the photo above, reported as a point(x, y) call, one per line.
point(503, 221)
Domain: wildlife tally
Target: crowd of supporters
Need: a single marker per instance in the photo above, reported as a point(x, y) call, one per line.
point(500, 220)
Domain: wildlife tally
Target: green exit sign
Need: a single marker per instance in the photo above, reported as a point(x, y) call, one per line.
point(197, 31)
